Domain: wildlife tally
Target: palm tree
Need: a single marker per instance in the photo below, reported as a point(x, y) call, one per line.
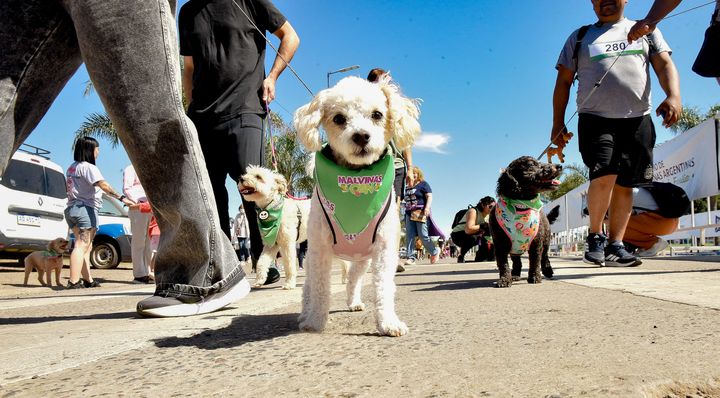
point(289, 156)
point(575, 175)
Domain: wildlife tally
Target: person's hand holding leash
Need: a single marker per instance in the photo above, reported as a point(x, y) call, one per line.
point(268, 90)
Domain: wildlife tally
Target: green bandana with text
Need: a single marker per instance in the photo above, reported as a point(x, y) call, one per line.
point(354, 196)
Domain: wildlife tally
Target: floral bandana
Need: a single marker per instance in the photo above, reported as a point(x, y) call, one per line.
point(269, 220)
point(520, 219)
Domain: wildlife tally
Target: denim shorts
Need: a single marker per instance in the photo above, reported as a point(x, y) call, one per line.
point(81, 216)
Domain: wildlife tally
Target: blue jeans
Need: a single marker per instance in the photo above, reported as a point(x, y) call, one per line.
point(131, 53)
point(415, 229)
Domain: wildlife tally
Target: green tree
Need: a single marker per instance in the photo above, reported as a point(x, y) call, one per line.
point(290, 157)
point(575, 175)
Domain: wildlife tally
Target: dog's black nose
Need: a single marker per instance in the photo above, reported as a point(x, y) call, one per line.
point(361, 139)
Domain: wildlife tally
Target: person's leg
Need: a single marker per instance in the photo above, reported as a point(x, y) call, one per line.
point(620, 208)
point(430, 247)
point(77, 256)
point(643, 229)
point(130, 49)
point(410, 235)
point(39, 55)
point(140, 244)
point(86, 258)
point(600, 194)
point(246, 144)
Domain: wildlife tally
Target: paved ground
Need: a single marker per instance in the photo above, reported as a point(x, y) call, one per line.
point(649, 331)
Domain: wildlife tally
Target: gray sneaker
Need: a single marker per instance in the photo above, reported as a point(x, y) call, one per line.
point(158, 306)
point(595, 249)
point(617, 256)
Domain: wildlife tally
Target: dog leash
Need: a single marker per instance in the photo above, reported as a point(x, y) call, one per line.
point(271, 138)
point(275, 49)
point(599, 82)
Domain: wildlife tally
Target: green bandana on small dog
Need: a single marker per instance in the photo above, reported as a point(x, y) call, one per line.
point(520, 219)
point(269, 220)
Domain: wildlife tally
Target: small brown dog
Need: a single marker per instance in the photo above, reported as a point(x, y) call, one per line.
point(45, 261)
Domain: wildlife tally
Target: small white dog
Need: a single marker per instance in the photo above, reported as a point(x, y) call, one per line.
point(354, 176)
point(283, 221)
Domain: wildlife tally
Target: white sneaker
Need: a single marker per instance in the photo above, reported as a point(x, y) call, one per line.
point(653, 251)
point(157, 306)
point(410, 261)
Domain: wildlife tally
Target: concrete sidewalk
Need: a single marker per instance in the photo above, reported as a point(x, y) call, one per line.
point(646, 331)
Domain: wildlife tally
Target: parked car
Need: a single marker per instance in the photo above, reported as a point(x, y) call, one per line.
point(112, 240)
point(32, 202)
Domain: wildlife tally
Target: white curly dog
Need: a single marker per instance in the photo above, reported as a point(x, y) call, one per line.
point(268, 190)
point(360, 119)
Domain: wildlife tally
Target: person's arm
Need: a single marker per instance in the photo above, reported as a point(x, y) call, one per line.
point(561, 96)
point(407, 154)
point(187, 78)
point(667, 74)
point(289, 42)
point(102, 184)
point(127, 182)
point(472, 227)
point(428, 202)
point(659, 10)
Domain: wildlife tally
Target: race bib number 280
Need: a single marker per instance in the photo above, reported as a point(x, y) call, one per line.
point(619, 48)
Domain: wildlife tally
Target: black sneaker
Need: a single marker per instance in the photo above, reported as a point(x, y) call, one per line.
point(88, 285)
point(617, 256)
point(595, 249)
point(461, 259)
point(76, 285)
point(143, 279)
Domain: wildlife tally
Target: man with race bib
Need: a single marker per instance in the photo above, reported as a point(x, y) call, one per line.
point(616, 133)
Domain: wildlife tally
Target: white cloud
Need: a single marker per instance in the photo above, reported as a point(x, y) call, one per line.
point(432, 142)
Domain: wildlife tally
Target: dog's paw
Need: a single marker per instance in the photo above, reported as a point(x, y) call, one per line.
point(356, 307)
point(504, 282)
point(258, 283)
point(394, 328)
point(308, 324)
point(534, 280)
point(515, 278)
point(289, 285)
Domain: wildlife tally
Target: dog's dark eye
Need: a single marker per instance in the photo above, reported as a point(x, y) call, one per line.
point(377, 115)
point(339, 119)
point(259, 177)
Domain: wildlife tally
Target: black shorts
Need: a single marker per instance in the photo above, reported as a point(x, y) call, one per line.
point(622, 147)
point(399, 183)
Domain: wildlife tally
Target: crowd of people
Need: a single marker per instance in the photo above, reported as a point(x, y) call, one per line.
point(196, 267)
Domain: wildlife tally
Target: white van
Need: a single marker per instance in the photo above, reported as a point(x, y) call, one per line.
point(32, 203)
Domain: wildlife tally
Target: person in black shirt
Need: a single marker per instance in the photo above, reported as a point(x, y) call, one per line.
point(225, 84)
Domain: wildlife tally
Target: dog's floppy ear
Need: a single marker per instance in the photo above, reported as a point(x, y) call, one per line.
point(403, 114)
point(51, 245)
point(281, 184)
point(507, 184)
point(307, 122)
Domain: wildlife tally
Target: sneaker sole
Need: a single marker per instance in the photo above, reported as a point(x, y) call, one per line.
point(615, 264)
point(591, 262)
point(202, 307)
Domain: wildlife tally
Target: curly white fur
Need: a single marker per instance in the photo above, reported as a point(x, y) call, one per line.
point(261, 185)
point(378, 112)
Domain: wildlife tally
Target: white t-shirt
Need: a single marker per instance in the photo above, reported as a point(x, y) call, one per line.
point(81, 179)
point(131, 186)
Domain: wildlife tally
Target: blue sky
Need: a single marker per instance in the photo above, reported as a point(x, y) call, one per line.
point(484, 70)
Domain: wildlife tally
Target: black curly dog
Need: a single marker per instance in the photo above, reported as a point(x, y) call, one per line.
point(524, 179)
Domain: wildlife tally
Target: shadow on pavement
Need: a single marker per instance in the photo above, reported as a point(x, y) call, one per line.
point(455, 285)
point(242, 329)
point(560, 276)
point(43, 319)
